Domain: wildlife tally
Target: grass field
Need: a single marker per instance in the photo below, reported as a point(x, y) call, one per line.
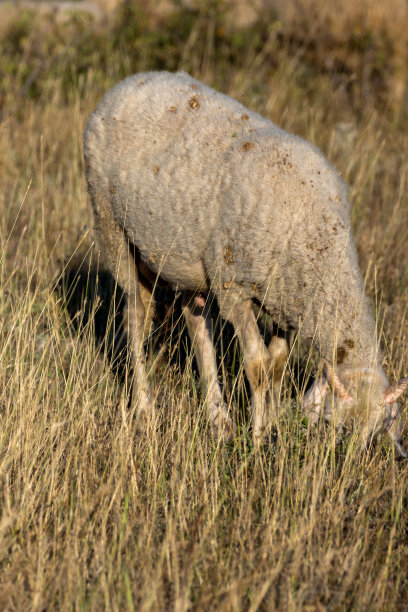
point(95, 516)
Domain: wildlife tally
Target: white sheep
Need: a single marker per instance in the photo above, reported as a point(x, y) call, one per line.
point(189, 186)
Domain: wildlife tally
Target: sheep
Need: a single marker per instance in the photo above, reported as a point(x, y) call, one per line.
point(190, 187)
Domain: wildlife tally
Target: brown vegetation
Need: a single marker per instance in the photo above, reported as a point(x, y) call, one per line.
point(95, 516)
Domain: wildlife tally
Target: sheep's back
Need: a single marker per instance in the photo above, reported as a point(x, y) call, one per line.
point(201, 184)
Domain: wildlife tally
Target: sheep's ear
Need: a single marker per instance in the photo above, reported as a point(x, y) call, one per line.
point(395, 391)
point(314, 399)
point(394, 435)
point(394, 429)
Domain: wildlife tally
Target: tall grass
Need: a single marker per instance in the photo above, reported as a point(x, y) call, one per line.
point(97, 516)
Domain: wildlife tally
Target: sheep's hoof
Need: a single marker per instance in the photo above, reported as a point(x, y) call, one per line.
point(145, 413)
point(221, 423)
point(261, 424)
point(259, 435)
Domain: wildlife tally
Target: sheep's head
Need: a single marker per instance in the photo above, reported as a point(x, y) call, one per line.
point(366, 395)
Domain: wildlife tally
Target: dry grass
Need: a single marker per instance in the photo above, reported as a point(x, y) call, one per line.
point(95, 516)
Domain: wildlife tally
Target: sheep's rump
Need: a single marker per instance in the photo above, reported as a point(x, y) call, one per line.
point(205, 188)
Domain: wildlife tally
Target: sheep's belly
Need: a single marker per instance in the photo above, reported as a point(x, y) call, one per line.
point(177, 273)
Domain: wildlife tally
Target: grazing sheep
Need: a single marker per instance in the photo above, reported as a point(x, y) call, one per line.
point(189, 186)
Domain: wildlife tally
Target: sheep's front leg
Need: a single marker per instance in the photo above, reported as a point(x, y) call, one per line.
point(198, 323)
point(259, 364)
point(279, 351)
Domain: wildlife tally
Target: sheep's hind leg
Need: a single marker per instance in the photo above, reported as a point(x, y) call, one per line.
point(263, 367)
point(118, 258)
point(198, 322)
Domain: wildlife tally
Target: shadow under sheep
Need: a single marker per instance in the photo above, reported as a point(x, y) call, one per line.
point(92, 297)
